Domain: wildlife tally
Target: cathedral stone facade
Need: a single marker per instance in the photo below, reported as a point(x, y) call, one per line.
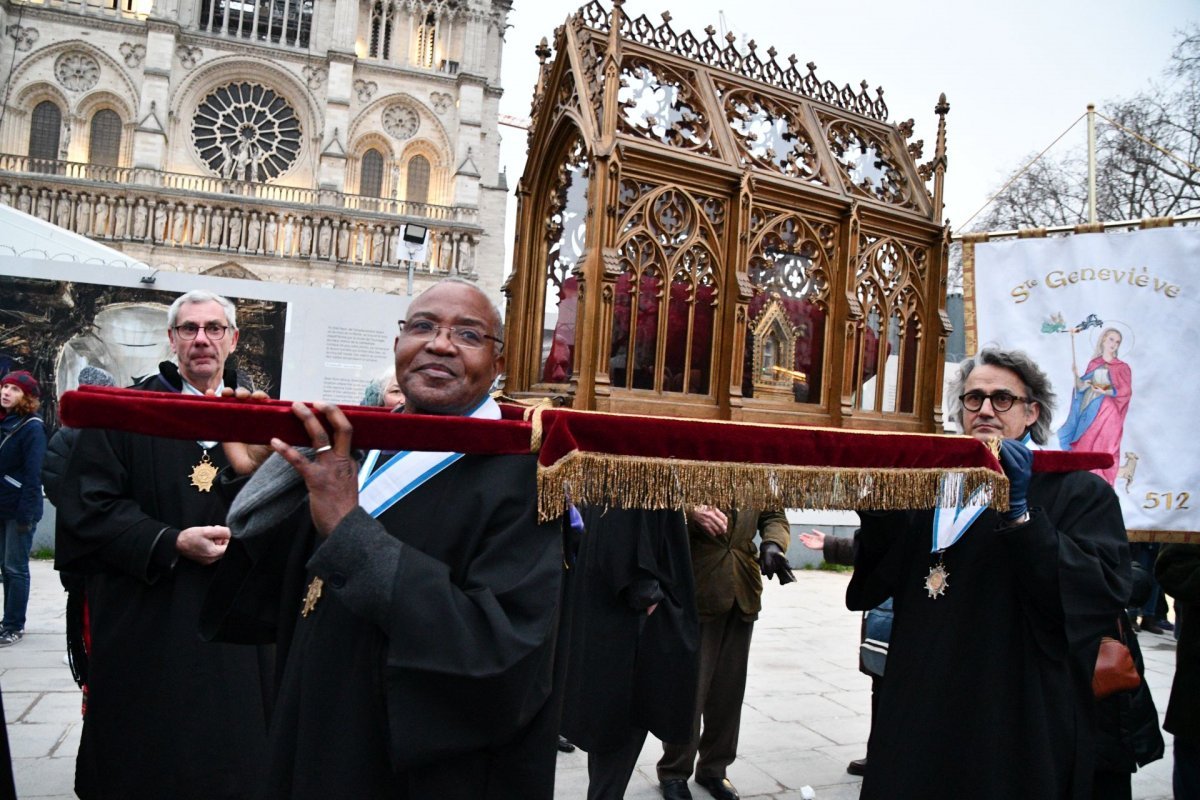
point(346, 143)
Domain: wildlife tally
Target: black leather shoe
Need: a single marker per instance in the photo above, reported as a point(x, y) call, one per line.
point(675, 790)
point(564, 746)
point(857, 767)
point(719, 788)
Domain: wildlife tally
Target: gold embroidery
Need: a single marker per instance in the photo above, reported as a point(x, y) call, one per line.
point(311, 597)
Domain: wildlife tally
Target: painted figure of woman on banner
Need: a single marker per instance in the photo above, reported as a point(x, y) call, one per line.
point(1099, 402)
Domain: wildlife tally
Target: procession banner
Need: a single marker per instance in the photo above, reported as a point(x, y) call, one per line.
point(1114, 319)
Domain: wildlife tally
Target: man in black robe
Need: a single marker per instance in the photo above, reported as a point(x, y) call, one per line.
point(167, 714)
point(415, 626)
point(998, 615)
point(632, 661)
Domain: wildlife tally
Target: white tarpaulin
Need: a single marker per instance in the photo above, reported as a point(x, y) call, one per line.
point(335, 341)
point(1114, 319)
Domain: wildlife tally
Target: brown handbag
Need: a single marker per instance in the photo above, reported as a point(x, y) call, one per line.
point(1115, 670)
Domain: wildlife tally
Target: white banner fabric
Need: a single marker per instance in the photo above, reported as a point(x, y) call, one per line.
point(1114, 319)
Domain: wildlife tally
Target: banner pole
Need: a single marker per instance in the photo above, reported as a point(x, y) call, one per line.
point(1091, 128)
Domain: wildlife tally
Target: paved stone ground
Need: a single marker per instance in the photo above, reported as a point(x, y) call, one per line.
point(807, 710)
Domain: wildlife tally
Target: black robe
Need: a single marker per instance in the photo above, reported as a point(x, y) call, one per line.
point(168, 714)
point(988, 688)
point(423, 670)
point(627, 671)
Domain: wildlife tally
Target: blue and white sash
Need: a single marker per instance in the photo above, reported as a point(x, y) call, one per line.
point(407, 470)
point(952, 516)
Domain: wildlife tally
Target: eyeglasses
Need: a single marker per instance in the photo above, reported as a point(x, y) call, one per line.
point(423, 331)
point(212, 330)
point(1001, 401)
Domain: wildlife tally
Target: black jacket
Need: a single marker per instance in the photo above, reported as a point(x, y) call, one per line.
point(168, 378)
point(1178, 570)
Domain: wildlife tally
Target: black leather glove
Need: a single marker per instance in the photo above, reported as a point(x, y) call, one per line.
point(774, 563)
point(1017, 461)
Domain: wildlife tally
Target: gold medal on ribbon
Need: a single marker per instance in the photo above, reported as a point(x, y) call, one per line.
point(311, 597)
point(204, 473)
point(937, 581)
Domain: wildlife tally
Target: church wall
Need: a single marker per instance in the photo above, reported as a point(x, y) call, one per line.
point(154, 70)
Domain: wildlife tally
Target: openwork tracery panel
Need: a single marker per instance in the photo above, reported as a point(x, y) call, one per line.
point(245, 131)
point(565, 231)
point(659, 103)
point(727, 55)
point(666, 294)
point(791, 262)
point(770, 135)
point(869, 168)
point(888, 342)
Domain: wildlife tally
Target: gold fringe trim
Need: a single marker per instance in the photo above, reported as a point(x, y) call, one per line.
point(1165, 537)
point(657, 483)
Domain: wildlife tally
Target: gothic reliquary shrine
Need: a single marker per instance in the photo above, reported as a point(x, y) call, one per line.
point(707, 232)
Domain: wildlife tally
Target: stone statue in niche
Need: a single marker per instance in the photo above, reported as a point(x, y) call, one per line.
point(324, 237)
point(62, 214)
point(343, 241)
point(394, 250)
point(466, 257)
point(100, 219)
point(24, 200)
point(253, 233)
point(270, 235)
point(140, 215)
point(195, 225)
point(160, 221)
point(377, 245)
point(235, 231)
point(83, 214)
point(179, 225)
point(120, 219)
point(359, 243)
point(216, 228)
point(44, 204)
point(289, 228)
point(306, 238)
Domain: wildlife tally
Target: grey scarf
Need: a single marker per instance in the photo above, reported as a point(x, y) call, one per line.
point(272, 493)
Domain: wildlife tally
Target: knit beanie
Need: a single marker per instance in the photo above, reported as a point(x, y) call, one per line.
point(95, 376)
point(23, 381)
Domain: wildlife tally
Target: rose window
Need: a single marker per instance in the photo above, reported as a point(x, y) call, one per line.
point(400, 121)
point(77, 71)
point(246, 132)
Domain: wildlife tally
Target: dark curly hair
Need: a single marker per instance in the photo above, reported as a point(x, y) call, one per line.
point(1037, 386)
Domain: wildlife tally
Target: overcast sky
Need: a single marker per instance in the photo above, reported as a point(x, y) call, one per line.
point(1016, 75)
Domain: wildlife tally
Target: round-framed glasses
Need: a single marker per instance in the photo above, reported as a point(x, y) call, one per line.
point(1002, 400)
